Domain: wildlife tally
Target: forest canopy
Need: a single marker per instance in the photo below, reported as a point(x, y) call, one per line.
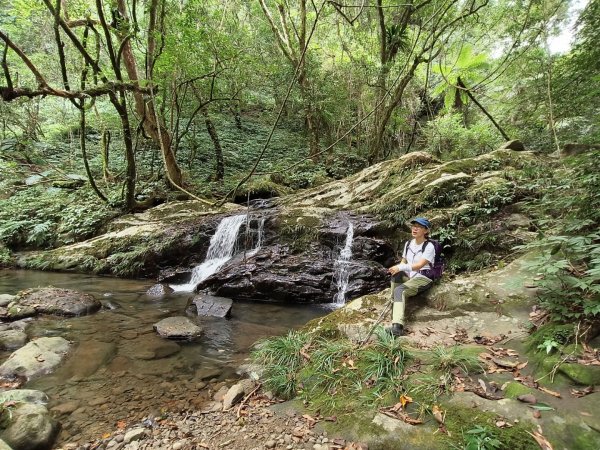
point(206, 95)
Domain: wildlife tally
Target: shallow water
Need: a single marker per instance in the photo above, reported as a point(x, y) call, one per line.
point(120, 370)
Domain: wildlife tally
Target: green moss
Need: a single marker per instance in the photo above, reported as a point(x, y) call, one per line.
point(561, 334)
point(261, 187)
point(581, 374)
point(514, 389)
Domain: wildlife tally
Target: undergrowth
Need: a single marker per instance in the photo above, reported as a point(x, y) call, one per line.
point(568, 251)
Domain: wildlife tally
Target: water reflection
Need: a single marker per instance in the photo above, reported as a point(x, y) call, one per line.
point(119, 367)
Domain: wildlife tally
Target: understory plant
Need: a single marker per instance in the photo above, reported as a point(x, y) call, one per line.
point(334, 374)
point(568, 254)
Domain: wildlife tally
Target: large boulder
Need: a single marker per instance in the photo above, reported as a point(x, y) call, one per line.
point(55, 301)
point(29, 427)
point(276, 273)
point(38, 357)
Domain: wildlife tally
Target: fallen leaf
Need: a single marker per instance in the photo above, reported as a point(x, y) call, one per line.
point(505, 363)
point(503, 424)
point(586, 414)
point(542, 407)
point(106, 435)
point(541, 440)
point(121, 424)
point(438, 415)
point(482, 384)
point(537, 414)
point(404, 400)
point(582, 392)
point(522, 365)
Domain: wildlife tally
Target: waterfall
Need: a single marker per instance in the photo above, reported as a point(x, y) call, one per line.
point(221, 249)
point(341, 272)
point(259, 238)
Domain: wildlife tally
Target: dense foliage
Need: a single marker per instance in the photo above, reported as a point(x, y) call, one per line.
point(569, 248)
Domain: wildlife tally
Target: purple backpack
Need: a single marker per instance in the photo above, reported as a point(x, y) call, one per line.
point(437, 267)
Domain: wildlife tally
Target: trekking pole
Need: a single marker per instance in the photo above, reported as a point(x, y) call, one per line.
point(377, 322)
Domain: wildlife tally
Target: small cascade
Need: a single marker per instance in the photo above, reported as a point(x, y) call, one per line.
point(221, 249)
point(341, 267)
point(256, 245)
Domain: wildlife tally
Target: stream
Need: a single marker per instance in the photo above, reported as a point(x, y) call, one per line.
point(119, 370)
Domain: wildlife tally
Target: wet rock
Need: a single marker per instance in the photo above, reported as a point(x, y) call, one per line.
point(178, 328)
point(12, 339)
point(159, 290)
point(65, 408)
point(276, 273)
point(60, 302)
point(209, 305)
point(24, 396)
point(145, 347)
point(18, 312)
point(38, 357)
point(5, 299)
point(30, 427)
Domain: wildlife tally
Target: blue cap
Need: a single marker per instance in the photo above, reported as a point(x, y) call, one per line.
point(422, 221)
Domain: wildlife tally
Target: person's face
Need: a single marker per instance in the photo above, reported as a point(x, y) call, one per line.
point(418, 231)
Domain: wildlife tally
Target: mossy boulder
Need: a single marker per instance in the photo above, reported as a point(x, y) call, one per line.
point(514, 389)
point(587, 375)
point(138, 244)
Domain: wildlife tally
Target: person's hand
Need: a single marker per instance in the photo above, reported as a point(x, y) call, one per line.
point(403, 267)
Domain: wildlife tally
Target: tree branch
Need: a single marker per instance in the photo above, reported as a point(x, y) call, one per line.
point(38, 76)
point(9, 93)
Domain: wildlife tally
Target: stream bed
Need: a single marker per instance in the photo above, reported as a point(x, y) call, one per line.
point(119, 370)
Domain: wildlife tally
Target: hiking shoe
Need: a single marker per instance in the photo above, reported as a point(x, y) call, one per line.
point(397, 329)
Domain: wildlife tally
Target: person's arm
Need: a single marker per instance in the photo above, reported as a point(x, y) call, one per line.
point(397, 268)
point(405, 267)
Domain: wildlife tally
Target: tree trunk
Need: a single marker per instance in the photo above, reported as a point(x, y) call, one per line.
point(311, 119)
point(462, 85)
point(146, 110)
point(212, 131)
point(84, 152)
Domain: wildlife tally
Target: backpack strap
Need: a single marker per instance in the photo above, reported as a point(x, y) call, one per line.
point(405, 248)
point(424, 245)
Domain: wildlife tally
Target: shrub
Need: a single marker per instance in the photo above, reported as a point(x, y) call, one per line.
point(447, 137)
